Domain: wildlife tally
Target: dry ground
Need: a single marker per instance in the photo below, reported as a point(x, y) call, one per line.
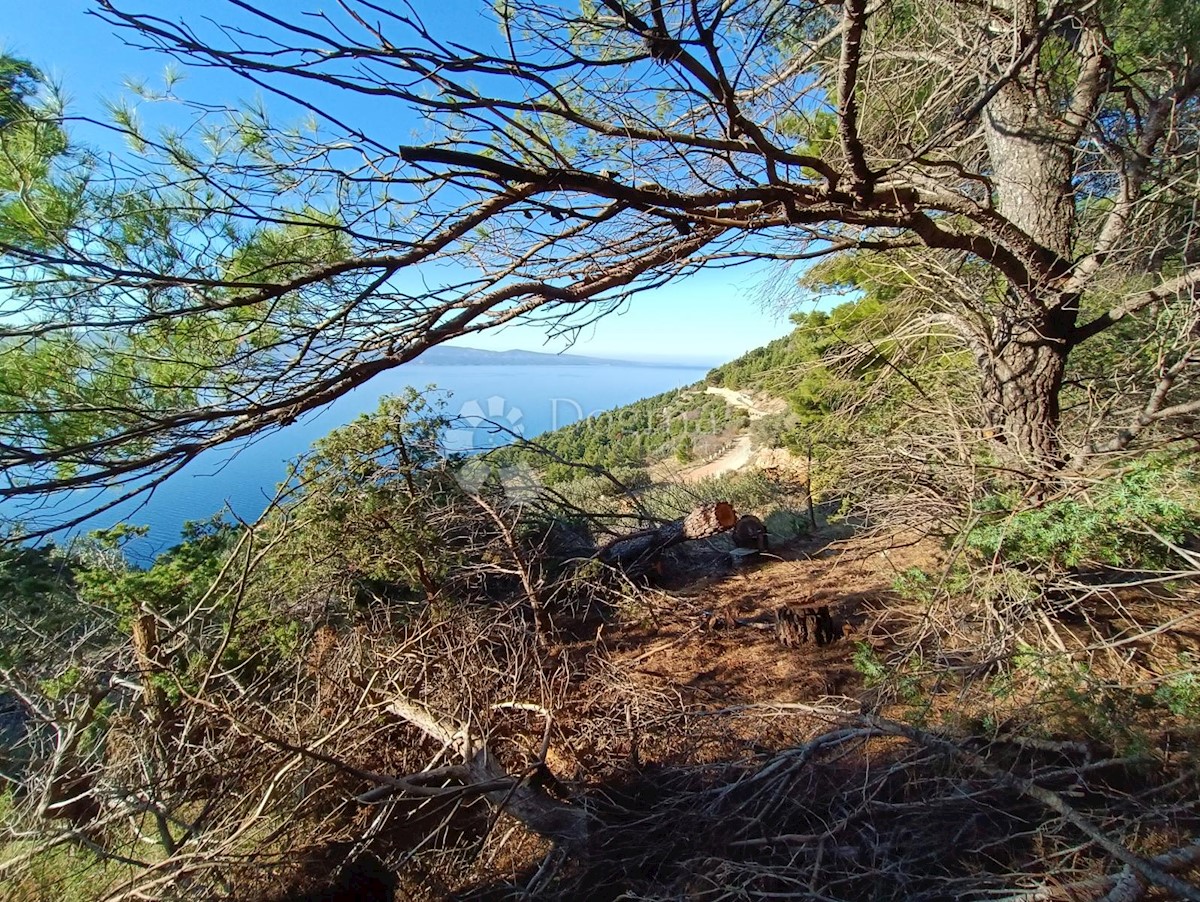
point(745, 705)
point(743, 663)
point(707, 753)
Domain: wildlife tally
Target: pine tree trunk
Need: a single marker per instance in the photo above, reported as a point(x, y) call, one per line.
point(1023, 359)
point(1022, 379)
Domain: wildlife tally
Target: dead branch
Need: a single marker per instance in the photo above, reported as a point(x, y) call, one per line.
point(1146, 868)
point(556, 820)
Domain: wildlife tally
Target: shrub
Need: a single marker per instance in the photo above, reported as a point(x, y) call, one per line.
point(684, 451)
point(786, 523)
point(37, 589)
point(1126, 521)
point(1179, 693)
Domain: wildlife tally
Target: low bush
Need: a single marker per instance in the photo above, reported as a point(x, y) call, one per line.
point(1130, 521)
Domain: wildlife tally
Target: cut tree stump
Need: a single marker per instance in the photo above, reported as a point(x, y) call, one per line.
point(638, 551)
point(797, 624)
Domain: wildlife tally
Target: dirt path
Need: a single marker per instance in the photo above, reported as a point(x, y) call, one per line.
point(740, 453)
point(743, 664)
point(756, 407)
point(738, 456)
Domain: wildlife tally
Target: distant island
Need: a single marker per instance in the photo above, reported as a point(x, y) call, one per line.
point(444, 355)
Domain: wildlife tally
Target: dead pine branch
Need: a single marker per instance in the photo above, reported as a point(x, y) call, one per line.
point(561, 822)
point(1144, 868)
point(529, 583)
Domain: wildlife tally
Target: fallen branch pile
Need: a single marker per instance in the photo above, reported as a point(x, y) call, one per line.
point(872, 808)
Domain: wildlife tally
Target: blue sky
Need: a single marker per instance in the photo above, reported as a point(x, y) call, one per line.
point(708, 318)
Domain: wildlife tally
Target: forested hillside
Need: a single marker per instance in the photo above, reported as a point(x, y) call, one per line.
point(681, 425)
point(842, 370)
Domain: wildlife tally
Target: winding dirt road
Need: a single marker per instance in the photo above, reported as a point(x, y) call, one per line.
point(739, 454)
point(756, 408)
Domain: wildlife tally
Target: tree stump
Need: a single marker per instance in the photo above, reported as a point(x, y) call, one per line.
point(145, 647)
point(750, 534)
point(795, 625)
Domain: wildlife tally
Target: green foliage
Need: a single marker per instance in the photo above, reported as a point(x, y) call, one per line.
point(369, 510)
point(37, 589)
point(815, 132)
point(37, 202)
point(781, 505)
point(635, 479)
point(916, 585)
point(878, 674)
point(1065, 696)
point(20, 82)
point(65, 873)
point(684, 452)
point(676, 424)
point(1179, 693)
point(179, 350)
point(182, 586)
point(60, 686)
point(1113, 524)
point(746, 491)
point(173, 585)
point(1080, 703)
point(78, 388)
point(867, 662)
point(787, 521)
point(1147, 34)
point(30, 577)
point(279, 253)
point(781, 430)
point(840, 370)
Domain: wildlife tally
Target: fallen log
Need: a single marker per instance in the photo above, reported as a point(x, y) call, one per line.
point(639, 550)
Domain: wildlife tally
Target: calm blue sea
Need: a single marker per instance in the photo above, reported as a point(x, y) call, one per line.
point(528, 399)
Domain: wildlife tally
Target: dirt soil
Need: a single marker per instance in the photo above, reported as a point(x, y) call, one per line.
point(757, 405)
point(714, 640)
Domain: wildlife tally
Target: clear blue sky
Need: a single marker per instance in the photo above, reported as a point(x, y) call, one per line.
point(708, 318)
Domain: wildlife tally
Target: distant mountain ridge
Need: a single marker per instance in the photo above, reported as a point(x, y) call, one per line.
point(446, 355)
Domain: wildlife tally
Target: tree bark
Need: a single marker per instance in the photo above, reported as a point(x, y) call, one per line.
point(1022, 379)
point(1031, 170)
point(1024, 358)
point(144, 637)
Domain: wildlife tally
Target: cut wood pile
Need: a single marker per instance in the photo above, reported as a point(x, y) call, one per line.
point(639, 551)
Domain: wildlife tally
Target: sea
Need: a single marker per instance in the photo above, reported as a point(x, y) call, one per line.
point(525, 399)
